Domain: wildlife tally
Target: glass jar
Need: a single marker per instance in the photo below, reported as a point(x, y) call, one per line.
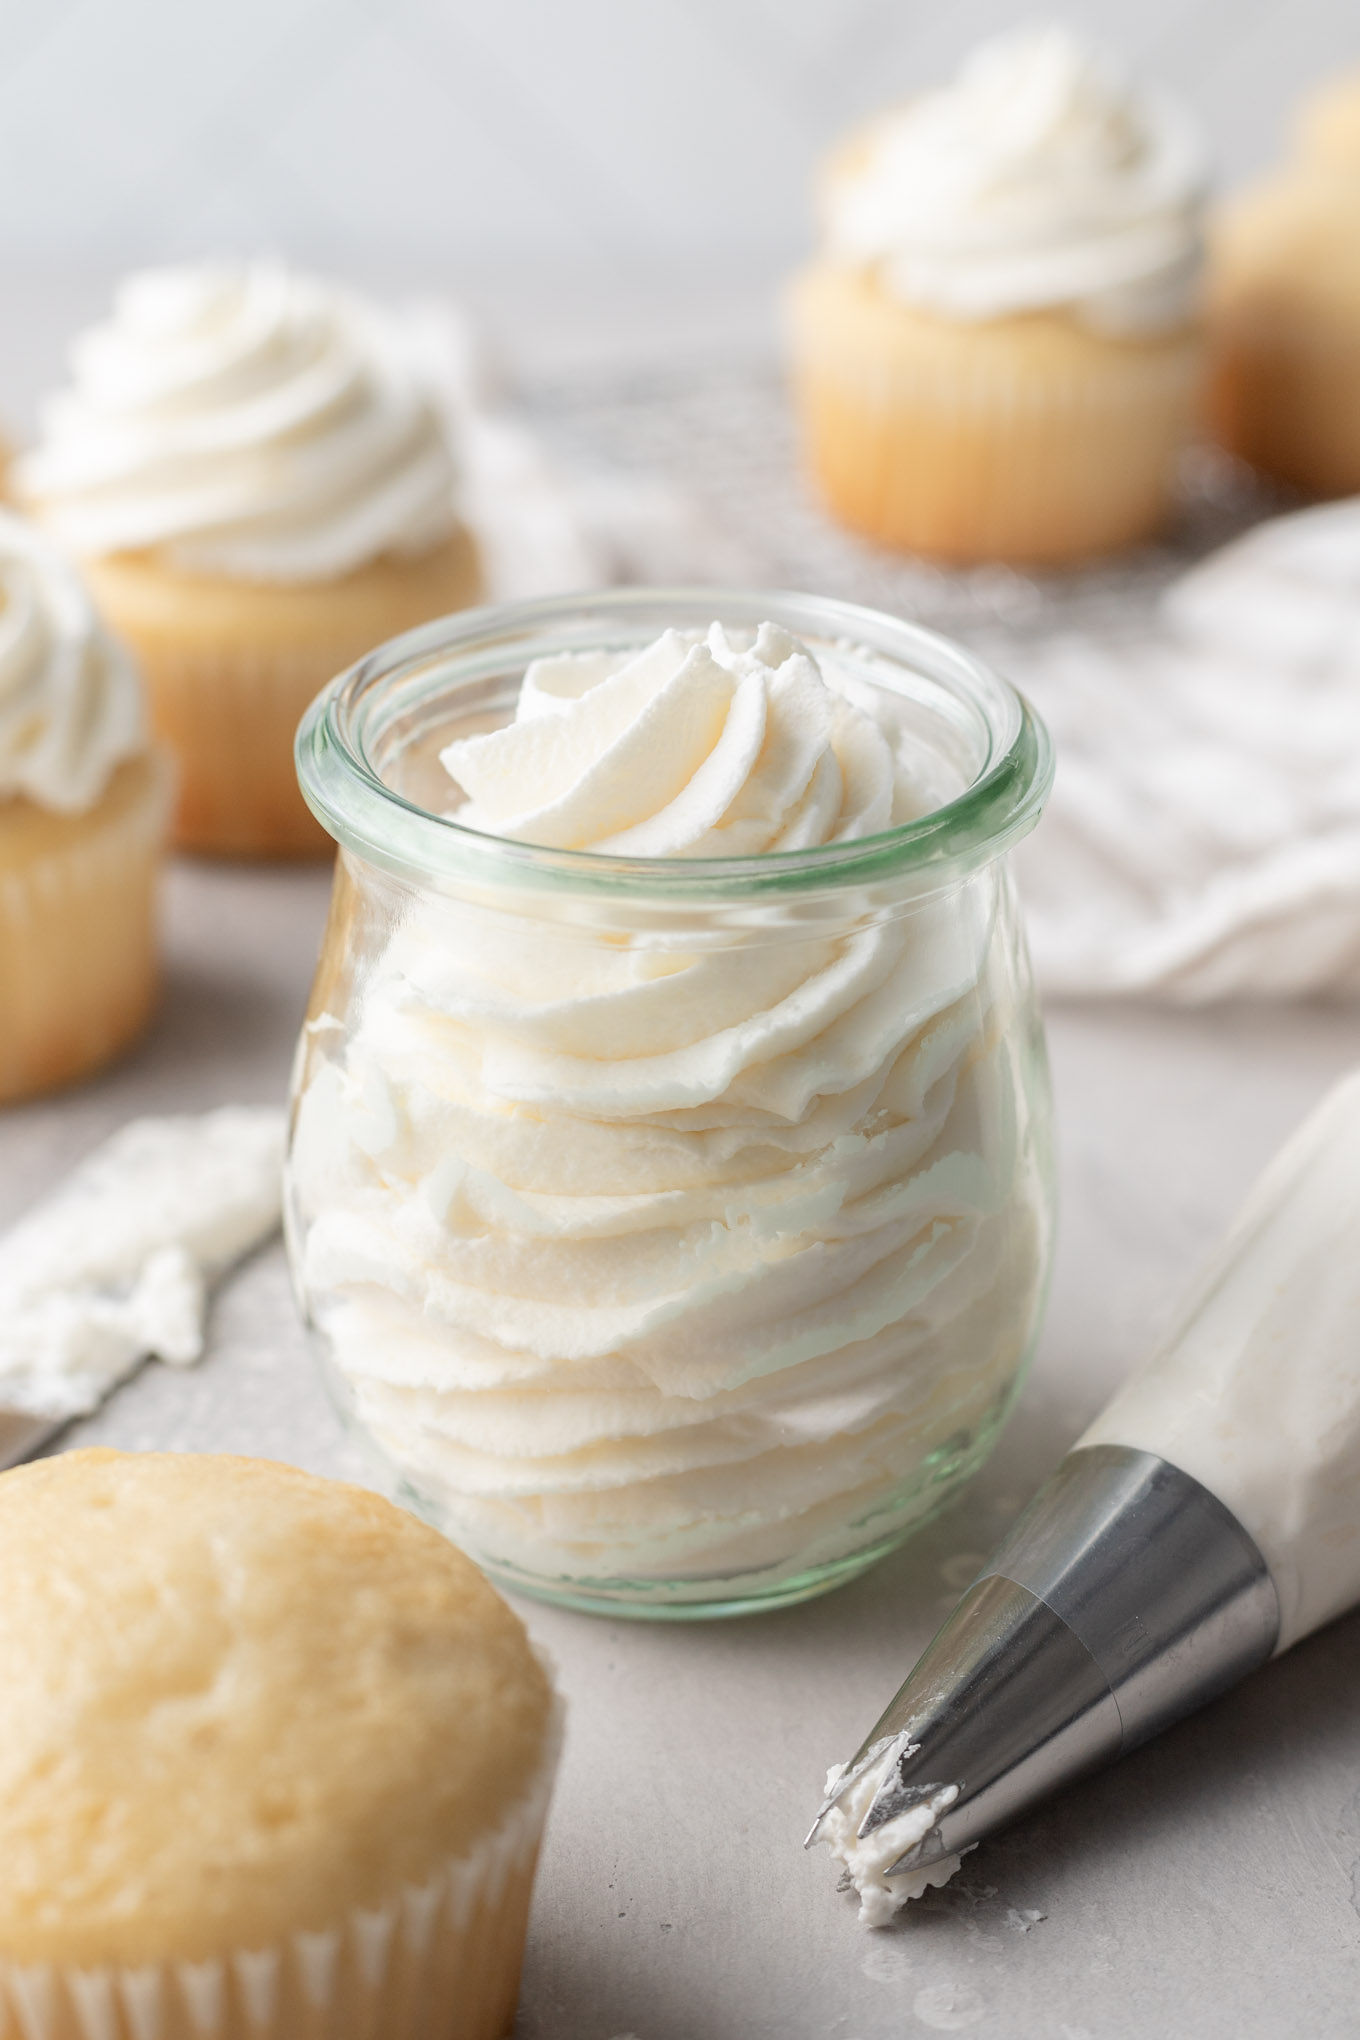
point(675, 1230)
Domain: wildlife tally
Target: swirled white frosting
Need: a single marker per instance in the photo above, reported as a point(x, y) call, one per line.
point(686, 750)
point(248, 422)
point(70, 698)
point(671, 1251)
point(1036, 179)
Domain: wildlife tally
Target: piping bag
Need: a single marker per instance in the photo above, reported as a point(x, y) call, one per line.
point(1208, 1519)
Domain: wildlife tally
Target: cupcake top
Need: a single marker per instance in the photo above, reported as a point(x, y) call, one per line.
point(238, 1702)
point(70, 699)
point(1037, 179)
point(246, 422)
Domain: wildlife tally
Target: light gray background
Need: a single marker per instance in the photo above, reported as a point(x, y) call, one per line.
point(464, 139)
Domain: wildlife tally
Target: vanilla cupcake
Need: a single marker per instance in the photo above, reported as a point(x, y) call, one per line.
point(274, 1761)
point(84, 802)
point(260, 485)
point(997, 352)
point(1285, 307)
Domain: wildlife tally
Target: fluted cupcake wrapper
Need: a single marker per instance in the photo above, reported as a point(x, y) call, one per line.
point(77, 929)
point(440, 1961)
point(230, 715)
point(230, 667)
point(1028, 439)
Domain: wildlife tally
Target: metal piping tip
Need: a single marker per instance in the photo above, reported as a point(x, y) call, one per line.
point(1125, 1597)
point(849, 1775)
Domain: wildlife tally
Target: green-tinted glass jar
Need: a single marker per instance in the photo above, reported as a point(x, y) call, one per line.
point(675, 1230)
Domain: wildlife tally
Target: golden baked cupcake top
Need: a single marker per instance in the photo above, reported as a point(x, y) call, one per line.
point(236, 1702)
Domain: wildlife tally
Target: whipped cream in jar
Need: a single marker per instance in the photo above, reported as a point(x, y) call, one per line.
point(669, 1189)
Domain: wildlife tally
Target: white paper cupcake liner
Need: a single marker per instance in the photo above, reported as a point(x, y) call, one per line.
point(78, 938)
point(441, 1959)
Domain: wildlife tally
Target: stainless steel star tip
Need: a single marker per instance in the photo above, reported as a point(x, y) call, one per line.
point(869, 1754)
point(1125, 1596)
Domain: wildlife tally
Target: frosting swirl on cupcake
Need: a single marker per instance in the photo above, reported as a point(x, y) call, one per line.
point(247, 422)
point(1036, 179)
point(70, 699)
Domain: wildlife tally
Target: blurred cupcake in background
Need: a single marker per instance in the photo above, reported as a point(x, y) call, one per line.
point(84, 804)
point(997, 352)
point(1285, 307)
point(261, 488)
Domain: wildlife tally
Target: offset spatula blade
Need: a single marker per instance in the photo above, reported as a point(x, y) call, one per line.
point(21, 1435)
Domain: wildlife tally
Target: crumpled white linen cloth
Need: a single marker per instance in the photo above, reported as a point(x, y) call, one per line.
point(1203, 837)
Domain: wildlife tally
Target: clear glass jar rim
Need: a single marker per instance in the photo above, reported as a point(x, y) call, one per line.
point(366, 815)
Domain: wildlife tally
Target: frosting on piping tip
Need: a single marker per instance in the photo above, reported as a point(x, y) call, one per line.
point(70, 698)
point(248, 422)
point(653, 1253)
point(1037, 178)
point(866, 1860)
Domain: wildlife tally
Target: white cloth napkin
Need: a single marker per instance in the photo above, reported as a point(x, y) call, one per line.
point(1203, 839)
point(117, 1261)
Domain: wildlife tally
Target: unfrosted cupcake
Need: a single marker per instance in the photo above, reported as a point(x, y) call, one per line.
point(997, 351)
point(274, 1761)
point(1285, 307)
point(260, 485)
point(84, 801)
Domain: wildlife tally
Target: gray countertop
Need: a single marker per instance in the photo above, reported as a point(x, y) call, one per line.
point(1209, 1886)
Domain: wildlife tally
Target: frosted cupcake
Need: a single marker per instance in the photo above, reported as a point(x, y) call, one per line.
point(260, 485)
point(84, 804)
point(997, 353)
point(274, 1761)
point(1285, 307)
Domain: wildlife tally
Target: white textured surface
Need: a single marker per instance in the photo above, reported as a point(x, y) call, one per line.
point(573, 132)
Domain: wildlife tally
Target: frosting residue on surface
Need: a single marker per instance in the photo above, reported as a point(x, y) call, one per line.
point(866, 1860)
point(1256, 1393)
point(115, 1264)
point(1037, 178)
point(70, 698)
point(246, 421)
point(658, 1251)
